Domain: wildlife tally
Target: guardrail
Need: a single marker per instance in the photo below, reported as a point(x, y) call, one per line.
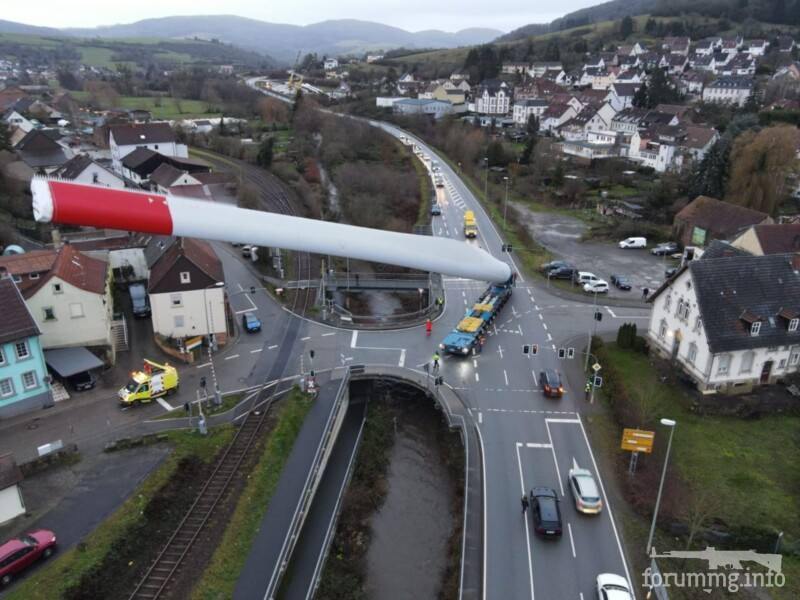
point(315, 473)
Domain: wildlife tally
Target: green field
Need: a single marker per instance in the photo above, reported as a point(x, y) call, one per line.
point(169, 109)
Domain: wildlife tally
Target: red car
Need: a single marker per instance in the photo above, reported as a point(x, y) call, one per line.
point(19, 553)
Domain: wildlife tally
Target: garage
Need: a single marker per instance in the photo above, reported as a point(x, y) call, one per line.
point(74, 366)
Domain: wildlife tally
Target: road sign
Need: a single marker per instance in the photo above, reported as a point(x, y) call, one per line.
point(534, 348)
point(526, 349)
point(562, 353)
point(570, 352)
point(596, 367)
point(598, 381)
point(638, 440)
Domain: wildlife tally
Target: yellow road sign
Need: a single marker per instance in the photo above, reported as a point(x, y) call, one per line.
point(638, 440)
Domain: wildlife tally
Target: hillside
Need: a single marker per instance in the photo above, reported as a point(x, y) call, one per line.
point(283, 42)
point(106, 53)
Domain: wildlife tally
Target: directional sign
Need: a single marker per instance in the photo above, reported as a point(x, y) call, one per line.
point(638, 440)
point(596, 367)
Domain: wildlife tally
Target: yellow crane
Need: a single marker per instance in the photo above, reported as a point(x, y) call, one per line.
point(295, 81)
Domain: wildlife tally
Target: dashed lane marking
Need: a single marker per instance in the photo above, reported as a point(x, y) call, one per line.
point(305, 339)
point(208, 364)
point(328, 334)
point(256, 350)
point(536, 412)
point(273, 347)
point(232, 356)
point(166, 405)
point(550, 339)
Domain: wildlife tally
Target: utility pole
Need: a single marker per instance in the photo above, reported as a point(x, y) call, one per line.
point(505, 202)
point(486, 180)
point(589, 340)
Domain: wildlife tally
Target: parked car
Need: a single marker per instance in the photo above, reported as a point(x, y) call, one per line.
point(250, 322)
point(586, 277)
point(566, 272)
point(613, 587)
point(80, 382)
point(670, 272)
point(436, 210)
point(621, 282)
point(666, 248)
point(249, 251)
point(633, 242)
point(584, 491)
point(139, 299)
point(553, 265)
point(17, 554)
point(550, 382)
point(545, 512)
point(596, 287)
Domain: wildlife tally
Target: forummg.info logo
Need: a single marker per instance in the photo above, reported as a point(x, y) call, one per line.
point(725, 571)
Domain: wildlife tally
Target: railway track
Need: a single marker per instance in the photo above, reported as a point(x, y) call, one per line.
point(166, 568)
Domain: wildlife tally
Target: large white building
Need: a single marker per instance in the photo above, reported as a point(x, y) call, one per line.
point(159, 137)
point(730, 320)
point(729, 90)
point(524, 109)
point(493, 97)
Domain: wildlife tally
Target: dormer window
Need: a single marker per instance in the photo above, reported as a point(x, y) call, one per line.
point(186, 277)
point(755, 328)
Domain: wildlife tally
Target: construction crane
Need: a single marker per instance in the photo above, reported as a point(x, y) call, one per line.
point(66, 203)
point(295, 81)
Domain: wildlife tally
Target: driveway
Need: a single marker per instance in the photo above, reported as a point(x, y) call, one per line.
point(561, 235)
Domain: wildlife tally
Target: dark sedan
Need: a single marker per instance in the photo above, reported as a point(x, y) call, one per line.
point(667, 248)
point(545, 512)
point(567, 272)
point(621, 282)
point(250, 322)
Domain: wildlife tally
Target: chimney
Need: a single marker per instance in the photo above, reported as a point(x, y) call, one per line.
point(56, 234)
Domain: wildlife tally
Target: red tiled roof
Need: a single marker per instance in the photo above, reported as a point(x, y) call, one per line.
point(68, 264)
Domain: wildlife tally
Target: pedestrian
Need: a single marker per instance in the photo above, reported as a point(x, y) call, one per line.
point(524, 504)
point(588, 389)
point(481, 342)
point(645, 293)
point(436, 361)
point(428, 327)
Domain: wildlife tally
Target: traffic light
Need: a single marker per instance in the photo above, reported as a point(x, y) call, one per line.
point(562, 353)
point(535, 349)
point(507, 248)
point(438, 381)
point(311, 354)
point(526, 349)
point(252, 289)
point(598, 316)
point(202, 383)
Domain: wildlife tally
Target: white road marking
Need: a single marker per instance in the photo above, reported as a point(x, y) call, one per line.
point(402, 361)
point(520, 330)
point(545, 326)
point(328, 334)
point(535, 445)
point(524, 522)
point(245, 310)
point(615, 316)
point(256, 350)
point(475, 362)
point(354, 339)
point(565, 420)
point(477, 377)
point(272, 347)
point(499, 349)
point(605, 501)
point(232, 356)
point(506, 376)
point(555, 460)
point(480, 418)
point(571, 541)
point(208, 364)
point(541, 317)
point(165, 404)
point(305, 339)
point(535, 382)
point(550, 339)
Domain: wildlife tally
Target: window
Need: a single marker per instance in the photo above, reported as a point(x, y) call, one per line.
point(178, 320)
point(175, 300)
point(747, 362)
point(22, 350)
point(662, 329)
point(95, 178)
point(29, 380)
point(724, 364)
point(6, 388)
point(782, 364)
point(667, 301)
point(794, 358)
point(755, 328)
point(793, 324)
point(692, 353)
point(33, 276)
point(57, 288)
point(186, 277)
point(771, 349)
point(49, 314)
point(17, 279)
point(698, 323)
point(2, 357)
point(76, 310)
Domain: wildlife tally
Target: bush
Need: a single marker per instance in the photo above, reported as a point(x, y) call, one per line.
point(626, 336)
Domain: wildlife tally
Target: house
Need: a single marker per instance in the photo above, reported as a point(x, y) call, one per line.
point(538, 69)
point(698, 141)
point(656, 147)
point(537, 89)
point(514, 68)
point(10, 95)
point(187, 297)
point(330, 64)
point(524, 109)
point(628, 120)
point(760, 240)
point(674, 64)
point(371, 58)
point(416, 106)
point(139, 165)
point(11, 502)
point(82, 169)
point(493, 97)
point(40, 151)
point(596, 145)
point(630, 76)
point(756, 47)
point(692, 82)
point(621, 95)
point(555, 115)
point(23, 373)
point(707, 46)
point(729, 90)
point(786, 43)
point(158, 137)
point(676, 45)
point(15, 119)
point(705, 219)
point(730, 323)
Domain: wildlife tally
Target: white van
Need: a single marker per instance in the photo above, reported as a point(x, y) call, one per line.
point(587, 277)
point(633, 242)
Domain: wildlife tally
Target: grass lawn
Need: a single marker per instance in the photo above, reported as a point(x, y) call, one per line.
point(220, 575)
point(169, 108)
point(751, 464)
point(66, 570)
point(97, 57)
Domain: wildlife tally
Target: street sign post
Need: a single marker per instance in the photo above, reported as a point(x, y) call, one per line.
point(638, 440)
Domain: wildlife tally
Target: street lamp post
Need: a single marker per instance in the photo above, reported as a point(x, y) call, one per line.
point(486, 180)
point(505, 203)
point(671, 424)
point(210, 326)
point(591, 329)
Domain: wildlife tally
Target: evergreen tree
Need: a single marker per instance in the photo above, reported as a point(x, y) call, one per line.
point(626, 26)
point(265, 152)
point(5, 141)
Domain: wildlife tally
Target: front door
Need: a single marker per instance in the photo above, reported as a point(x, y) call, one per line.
point(766, 370)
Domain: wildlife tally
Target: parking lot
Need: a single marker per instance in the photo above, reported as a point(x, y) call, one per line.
point(561, 235)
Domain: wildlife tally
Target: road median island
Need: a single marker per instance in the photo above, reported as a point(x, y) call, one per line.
point(731, 481)
point(107, 561)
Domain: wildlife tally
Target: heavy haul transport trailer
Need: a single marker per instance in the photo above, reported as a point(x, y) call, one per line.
point(467, 333)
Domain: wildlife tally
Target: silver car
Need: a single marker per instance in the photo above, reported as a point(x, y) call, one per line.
point(585, 491)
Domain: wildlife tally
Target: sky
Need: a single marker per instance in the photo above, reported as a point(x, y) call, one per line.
point(412, 15)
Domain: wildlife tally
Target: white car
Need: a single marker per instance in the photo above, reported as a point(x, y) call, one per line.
point(587, 277)
point(613, 587)
point(596, 287)
point(584, 491)
point(633, 242)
